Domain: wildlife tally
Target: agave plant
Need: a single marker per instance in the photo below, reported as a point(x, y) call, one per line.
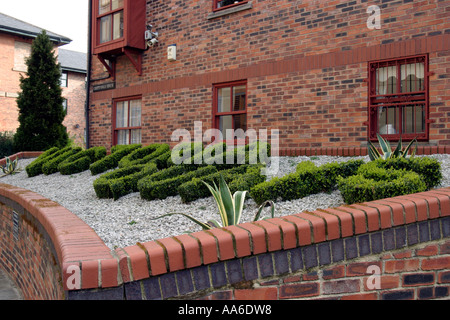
point(11, 167)
point(386, 150)
point(230, 207)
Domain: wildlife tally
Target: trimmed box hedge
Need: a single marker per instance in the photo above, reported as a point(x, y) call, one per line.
point(35, 167)
point(122, 181)
point(51, 166)
point(81, 161)
point(144, 155)
point(239, 178)
point(112, 161)
point(376, 185)
point(306, 180)
point(161, 189)
point(381, 179)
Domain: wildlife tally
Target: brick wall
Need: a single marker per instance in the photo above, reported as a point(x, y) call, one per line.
point(75, 93)
point(13, 52)
point(305, 65)
point(396, 248)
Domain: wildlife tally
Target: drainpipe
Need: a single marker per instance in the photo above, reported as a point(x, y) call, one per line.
point(88, 82)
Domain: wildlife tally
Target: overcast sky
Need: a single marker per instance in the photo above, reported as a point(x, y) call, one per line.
point(64, 17)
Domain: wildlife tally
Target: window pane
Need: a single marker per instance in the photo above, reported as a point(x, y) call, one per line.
point(225, 123)
point(386, 80)
point(116, 4)
point(118, 25)
point(103, 6)
point(240, 122)
point(413, 76)
point(224, 102)
point(136, 136)
point(239, 95)
point(105, 29)
point(64, 79)
point(388, 120)
point(121, 114)
point(413, 119)
point(123, 137)
point(135, 113)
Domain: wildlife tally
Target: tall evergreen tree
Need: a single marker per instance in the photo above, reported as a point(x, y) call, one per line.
point(40, 102)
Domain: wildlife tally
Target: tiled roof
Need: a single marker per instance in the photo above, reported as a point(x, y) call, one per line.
point(72, 60)
point(14, 26)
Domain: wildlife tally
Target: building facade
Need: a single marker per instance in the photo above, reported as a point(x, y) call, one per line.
point(323, 73)
point(16, 38)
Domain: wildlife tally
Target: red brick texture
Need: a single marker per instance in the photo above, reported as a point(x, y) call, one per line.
point(324, 254)
point(306, 66)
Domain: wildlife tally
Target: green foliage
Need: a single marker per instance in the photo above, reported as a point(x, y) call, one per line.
point(230, 206)
point(50, 166)
point(308, 179)
point(381, 179)
point(6, 144)
point(151, 190)
point(386, 150)
point(359, 188)
point(40, 101)
point(111, 161)
point(122, 181)
point(239, 178)
point(11, 167)
point(144, 155)
point(35, 167)
point(81, 161)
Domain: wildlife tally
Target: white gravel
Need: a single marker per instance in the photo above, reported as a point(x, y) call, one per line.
point(127, 221)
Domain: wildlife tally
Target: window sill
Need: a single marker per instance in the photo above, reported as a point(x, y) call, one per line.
point(224, 12)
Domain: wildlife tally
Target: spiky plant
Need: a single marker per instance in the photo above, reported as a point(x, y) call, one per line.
point(386, 150)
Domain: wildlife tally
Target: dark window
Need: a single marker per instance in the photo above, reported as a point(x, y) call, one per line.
point(398, 98)
point(127, 121)
point(223, 4)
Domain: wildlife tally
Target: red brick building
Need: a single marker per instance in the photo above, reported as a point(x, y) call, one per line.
point(15, 46)
point(324, 73)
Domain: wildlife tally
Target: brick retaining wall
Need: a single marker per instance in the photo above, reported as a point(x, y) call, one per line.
point(49, 252)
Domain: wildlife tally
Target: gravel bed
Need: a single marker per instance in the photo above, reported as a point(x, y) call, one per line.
point(127, 221)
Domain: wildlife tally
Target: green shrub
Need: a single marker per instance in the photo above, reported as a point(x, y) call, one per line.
point(122, 181)
point(306, 180)
point(358, 188)
point(111, 161)
point(81, 161)
point(6, 144)
point(162, 161)
point(196, 189)
point(51, 166)
point(144, 155)
point(151, 190)
point(184, 153)
point(35, 167)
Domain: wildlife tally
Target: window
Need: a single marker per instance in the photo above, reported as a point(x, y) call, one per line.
point(127, 121)
point(223, 4)
point(64, 79)
point(110, 20)
point(398, 98)
point(65, 106)
point(230, 106)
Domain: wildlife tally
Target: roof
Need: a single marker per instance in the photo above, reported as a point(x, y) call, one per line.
point(72, 60)
point(14, 26)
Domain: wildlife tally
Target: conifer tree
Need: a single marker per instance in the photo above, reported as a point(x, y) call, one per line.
point(40, 102)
